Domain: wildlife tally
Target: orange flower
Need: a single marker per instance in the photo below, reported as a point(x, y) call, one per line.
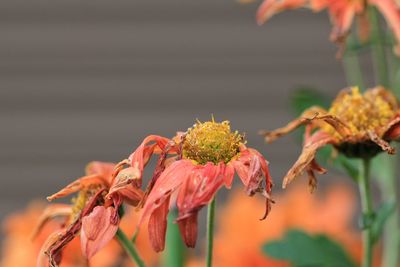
point(342, 13)
point(240, 236)
point(19, 249)
point(203, 160)
point(94, 213)
point(356, 125)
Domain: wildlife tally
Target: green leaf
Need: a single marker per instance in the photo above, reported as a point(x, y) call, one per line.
point(303, 250)
point(381, 216)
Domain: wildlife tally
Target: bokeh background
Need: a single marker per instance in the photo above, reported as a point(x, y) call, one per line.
point(84, 80)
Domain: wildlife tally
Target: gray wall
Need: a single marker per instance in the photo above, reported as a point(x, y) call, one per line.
point(88, 79)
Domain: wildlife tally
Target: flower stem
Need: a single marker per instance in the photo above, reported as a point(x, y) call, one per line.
point(378, 49)
point(367, 212)
point(352, 64)
point(129, 248)
point(210, 232)
point(174, 255)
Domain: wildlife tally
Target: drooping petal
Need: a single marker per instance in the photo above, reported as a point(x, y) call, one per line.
point(77, 185)
point(309, 116)
point(188, 228)
point(172, 177)
point(103, 168)
point(318, 140)
point(98, 229)
point(392, 132)
point(251, 166)
point(52, 211)
point(127, 183)
point(391, 11)
point(199, 188)
point(142, 154)
point(381, 143)
point(43, 258)
point(229, 175)
point(268, 8)
point(342, 15)
point(157, 226)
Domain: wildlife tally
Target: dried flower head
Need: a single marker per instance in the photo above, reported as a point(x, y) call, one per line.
point(357, 125)
point(195, 165)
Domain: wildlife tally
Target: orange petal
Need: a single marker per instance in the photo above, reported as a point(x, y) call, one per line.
point(392, 131)
point(77, 185)
point(158, 224)
point(229, 175)
point(342, 15)
point(52, 211)
point(172, 177)
point(200, 188)
point(97, 230)
point(319, 140)
point(127, 184)
point(268, 8)
point(188, 228)
point(391, 12)
point(307, 117)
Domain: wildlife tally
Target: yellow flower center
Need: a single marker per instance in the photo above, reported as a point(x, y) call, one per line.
point(79, 202)
point(211, 142)
point(362, 113)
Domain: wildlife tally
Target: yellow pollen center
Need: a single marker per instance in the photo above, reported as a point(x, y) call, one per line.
point(211, 142)
point(362, 113)
point(79, 202)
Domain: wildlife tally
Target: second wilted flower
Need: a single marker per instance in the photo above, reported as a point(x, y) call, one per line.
point(357, 125)
point(195, 165)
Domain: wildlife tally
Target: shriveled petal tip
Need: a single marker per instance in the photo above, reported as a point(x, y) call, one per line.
point(381, 143)
point(305, 161)
point(49, 213)
point(77, 185)
point(43, 258)
point(125, 179)
point(269, 8)
point(157, 226)
point(392, 131)
point(309, 116)
point(97, 230)
point(99, 167)
point(188, 228)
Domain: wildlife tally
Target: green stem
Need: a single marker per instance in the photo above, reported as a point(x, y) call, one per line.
point(366, 207)
point(210, 232)
point(378, 49)
point(174, 255)
point(353, 71)
point(129, 248)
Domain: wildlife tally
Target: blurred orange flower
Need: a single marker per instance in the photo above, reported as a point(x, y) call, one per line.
point(342, 13)
point(19, 249)
point(240, 235)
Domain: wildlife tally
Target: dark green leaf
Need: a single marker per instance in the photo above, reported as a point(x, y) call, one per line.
point(303, 250)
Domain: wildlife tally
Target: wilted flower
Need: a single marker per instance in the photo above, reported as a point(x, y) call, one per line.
point(202, 160)
point(356, 125)
point(342, 13)
point(94, 212)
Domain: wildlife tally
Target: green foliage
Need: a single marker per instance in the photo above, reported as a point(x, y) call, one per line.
point(380, 218)
point(303, 250)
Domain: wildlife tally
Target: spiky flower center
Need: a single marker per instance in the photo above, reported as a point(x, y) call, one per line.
point(362, 113)
point(211, 142)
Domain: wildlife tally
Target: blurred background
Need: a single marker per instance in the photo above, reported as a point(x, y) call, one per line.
point(87, 80)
